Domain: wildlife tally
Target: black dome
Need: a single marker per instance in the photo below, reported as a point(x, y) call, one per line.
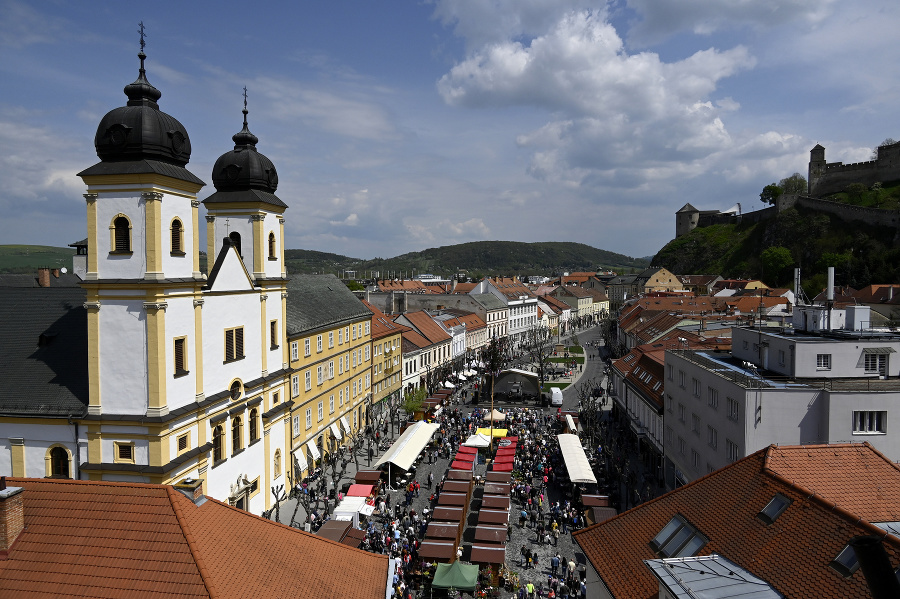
point(140, 130)
point(244, 167)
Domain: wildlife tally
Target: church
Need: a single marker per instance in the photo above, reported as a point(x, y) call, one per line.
point(153, 371)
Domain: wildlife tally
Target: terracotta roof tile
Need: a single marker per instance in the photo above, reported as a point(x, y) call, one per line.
point(792, 554)
point(120, 540)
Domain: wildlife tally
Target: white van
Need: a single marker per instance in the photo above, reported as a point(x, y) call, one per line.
point(556, 398)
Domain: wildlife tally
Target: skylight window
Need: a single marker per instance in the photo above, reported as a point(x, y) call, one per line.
point(678, 539)
point(774, 508)
point(845, 562)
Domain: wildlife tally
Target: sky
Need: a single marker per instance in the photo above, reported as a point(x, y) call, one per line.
point(402, 125)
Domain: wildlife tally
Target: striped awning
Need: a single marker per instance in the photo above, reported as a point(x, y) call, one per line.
point(878, 350)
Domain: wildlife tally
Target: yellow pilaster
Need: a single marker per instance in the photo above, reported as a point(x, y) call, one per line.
point(93, 241)
point(210, 242)
point(281, 245)
point(153, 234)
point(93, 357)
point(195, 221)
point(264, 330)
point(259, 245)
point(268, 460)
point(159, 447)
point(17, 449)
point(156, 358)
point(95, 447)
point(285, 350)
point(198, 346)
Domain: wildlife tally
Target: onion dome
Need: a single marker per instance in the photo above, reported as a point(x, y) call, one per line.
point(140, 130)
point(244, 168)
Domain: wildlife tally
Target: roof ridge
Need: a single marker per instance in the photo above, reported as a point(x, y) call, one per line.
point(173, 496)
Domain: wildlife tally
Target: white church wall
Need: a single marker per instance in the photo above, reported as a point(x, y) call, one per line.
point(177, 266)
point(221, 312)
point(123, 356)
point(272, 268)
point(121, 266)
point(182, 390)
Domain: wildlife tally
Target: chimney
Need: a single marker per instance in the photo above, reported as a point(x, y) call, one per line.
point(43, 277)
point(192, 488)
point(829, 292)
point(12, 515)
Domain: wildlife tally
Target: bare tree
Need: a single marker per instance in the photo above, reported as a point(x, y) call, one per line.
point(538, 345)
point(590, 402)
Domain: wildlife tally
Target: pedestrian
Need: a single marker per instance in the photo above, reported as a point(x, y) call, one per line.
point(430, 479)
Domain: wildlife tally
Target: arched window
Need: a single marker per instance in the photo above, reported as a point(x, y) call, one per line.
point(177, 237)
point(271, 246)
point(254, 433)
point(217, 444)
point(277, 463)
point(59, 463)
point(235, 390)
point(236, 241)
point(121, 235)
point(235, 435)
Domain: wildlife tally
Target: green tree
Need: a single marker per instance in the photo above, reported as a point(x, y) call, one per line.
point(796, 183)
point(413, 402)
point(776, 261)
point(770, 193)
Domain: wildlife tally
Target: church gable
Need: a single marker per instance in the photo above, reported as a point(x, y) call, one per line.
point(229, 272)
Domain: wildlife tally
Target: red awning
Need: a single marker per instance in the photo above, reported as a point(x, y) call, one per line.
point(506, 467)
point(504, 459)
point(466, 457)
point(460, 465)
point(359, 490)
point(467, 449)
point(506, 451)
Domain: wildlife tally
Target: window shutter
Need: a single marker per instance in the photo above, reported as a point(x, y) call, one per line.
point(176, 236)
point(239, 343)
point(229, 345)
point(179, 356)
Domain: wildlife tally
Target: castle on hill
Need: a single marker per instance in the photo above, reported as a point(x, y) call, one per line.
point(824, 178)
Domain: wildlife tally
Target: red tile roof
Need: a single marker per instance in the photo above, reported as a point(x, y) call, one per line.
point(427, 326)
point(107, 539)
point(414, 286)
point(792, 554)
point(382, 326)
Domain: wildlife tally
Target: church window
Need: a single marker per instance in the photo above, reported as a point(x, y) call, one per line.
point(183, 441)
point(236, 435)
point(121, 235)
point(273, 334)
point(217, 444)
point(235, 238)
point(272, 246)
point(180, 357)
point(124, 452)
point(253, 425)
point(234, 344)
point(177, 238)
point(59, 463)
point(235, 390)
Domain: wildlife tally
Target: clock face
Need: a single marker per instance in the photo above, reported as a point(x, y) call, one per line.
point(118, 135)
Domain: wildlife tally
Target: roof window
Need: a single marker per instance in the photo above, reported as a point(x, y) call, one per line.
point(774, 508)
point(678, 539)
point(845, 563)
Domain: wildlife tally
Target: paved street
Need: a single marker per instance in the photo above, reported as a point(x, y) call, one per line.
point(520, 536)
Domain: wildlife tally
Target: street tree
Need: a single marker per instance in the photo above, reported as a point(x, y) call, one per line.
point(538, 345)
point(776, 262)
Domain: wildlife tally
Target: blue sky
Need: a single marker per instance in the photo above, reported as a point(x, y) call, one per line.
point(401, 125)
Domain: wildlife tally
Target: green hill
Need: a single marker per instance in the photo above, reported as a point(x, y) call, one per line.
point(28, 258)
point(861, 254)
point(478, 258)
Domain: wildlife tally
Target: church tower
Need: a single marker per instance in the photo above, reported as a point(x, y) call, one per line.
point(143, 269)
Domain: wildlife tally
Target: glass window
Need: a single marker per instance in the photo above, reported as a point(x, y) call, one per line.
point(870, 422)
point(295, 352)
point(318, 343)
point(308, 377)
point(306, 346)
point(774, 508)
point(308, 418)
point(823, 362)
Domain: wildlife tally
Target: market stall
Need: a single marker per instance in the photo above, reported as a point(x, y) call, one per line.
point(576, 461)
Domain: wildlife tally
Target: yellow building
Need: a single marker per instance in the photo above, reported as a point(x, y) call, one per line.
point(387, 363)
point(329, 336)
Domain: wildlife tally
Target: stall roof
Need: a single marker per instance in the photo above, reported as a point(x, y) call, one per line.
point(459, 475)
point(489, 533)
point(445, 550)
point(506, 451)
point(570, 422)
point(487, 554)
point(461, 465)
point(406, 449)
point(457, 486)
point(445, 513)
point(504, 459)
point(466, 449)
point(496, 489)
point(601, 514)
point(465, 457)
point(503, 467)
point(496, 502)
point(498, 477)
point(495, 415)
point(455, 499)
point(368, 476)
point(359, 490)
point(334, 530)
point(354, 538)
point(476, 441)
point(576, 462)
point(456, 575)
point(595, 500)
point(441, 531)
point(493, 517)
point(498, 432)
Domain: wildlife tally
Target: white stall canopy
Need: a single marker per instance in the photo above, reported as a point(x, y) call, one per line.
point(576, 461)
point(406, 449)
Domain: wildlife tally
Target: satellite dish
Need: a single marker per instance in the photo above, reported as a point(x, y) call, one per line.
point(63, 270)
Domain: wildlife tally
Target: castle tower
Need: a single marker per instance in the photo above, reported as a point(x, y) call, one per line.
point(686, 220)
point(817, 166)
point(143, 267)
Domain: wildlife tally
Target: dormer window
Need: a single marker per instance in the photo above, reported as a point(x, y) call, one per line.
point(774, 508)
point(845, 563)
point(678, 539)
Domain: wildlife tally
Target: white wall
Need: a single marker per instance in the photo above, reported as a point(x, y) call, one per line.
point(272, 268)
point(222, 312)
point(121, 266)
point(123, 356)
point(180, 391)
point(38, 440)
point(178, 266)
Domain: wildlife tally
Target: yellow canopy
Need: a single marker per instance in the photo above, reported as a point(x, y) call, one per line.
point(498, 432)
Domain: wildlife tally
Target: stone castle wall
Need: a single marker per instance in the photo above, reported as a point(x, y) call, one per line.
point(826, 178)
point(846, 212)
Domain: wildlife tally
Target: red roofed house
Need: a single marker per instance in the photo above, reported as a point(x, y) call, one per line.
point(67, 538)
point(774, 524)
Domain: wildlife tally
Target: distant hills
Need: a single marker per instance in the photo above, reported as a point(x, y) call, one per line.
point(476, 259)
